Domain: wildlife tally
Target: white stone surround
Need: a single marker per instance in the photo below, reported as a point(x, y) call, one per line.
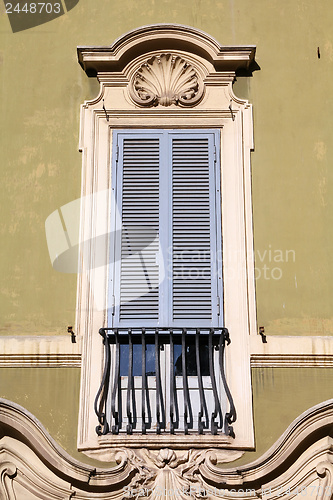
point(206, 101)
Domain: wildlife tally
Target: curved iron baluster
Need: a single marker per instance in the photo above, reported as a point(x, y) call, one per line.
point(129, 427)
point(100, 400)
point(116, 387)
point(217, 407)
point(203, 407)
point(187, 410)
point(172, 385)
point(231, 416)
point(144, 380)
point(158, 383)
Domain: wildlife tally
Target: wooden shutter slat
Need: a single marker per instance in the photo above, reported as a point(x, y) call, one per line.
point(168, 210)
point(191, 217)
point(139, 276)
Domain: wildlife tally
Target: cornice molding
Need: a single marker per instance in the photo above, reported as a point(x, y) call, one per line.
point(281, 351)
point(164, 37)
point(58, 351)
point(291, 361)
point(40, 351)
point(32, 461)
point(40, 360)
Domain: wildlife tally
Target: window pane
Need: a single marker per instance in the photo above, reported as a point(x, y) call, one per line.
point(137, 360)
point(190, 358)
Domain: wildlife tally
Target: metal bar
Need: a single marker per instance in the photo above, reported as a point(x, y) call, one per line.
point(172, 385)
point(160, 336)
point(144, 382)
point(116, 387)
point(203, 407)
point(101, 397)
point(217, 407)
point(129, 427)
point(231, 416)
point(166, 329)
point(185, 385)
point(158, 382)
point(162, 329)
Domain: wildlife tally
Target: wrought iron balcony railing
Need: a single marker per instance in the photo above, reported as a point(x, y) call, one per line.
point(164, 380)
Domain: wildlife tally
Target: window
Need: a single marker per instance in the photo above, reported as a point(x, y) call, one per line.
point(166, 96)
point(165, 283)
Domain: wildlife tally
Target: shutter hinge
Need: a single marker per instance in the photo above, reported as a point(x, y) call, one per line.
point(117, 153)
point(214, 153)
point(112, 305)
point(218, 305)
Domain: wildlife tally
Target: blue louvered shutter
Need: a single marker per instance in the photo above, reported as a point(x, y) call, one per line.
point(166, 241)
point(196, 230)
point(135, 249)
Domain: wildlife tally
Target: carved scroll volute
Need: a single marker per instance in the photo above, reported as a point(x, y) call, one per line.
point(325, 473)
point(166, 79)
point(7, 472)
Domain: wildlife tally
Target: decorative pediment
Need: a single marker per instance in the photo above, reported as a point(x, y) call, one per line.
point(164, 66)
point(166, 38)
point(166, 79)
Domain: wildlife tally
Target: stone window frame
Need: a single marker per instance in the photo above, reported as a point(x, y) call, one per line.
point(209, 104)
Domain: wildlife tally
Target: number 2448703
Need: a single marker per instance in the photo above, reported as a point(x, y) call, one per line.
point(34, 8)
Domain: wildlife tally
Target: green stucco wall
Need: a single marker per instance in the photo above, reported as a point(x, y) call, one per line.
point(52, 396)
point(42, 87)
point(279, 396)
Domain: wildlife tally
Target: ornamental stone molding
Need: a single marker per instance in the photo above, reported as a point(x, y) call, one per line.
point(170, 37)
point(325, 473)
point(33, 466)
point(7, 473)
point(166, 76)
point(166, 79)
point(164, 65)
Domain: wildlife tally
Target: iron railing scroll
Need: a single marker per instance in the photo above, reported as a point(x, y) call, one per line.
point(185, 393)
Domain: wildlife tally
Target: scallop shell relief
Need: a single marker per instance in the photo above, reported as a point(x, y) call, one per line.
point(166, 79)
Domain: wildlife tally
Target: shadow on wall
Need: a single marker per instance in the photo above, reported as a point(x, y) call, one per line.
point(24, 15)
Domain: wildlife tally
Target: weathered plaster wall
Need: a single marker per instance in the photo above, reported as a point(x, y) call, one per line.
point(279, 396)
point(52, 396)
point(42, 87)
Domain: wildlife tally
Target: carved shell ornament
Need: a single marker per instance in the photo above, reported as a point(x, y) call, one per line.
point(166, 79)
